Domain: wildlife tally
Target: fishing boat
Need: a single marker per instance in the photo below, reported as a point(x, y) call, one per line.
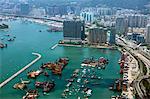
point(3, 26)
point(25, 81)
point(11, 39)
point(103, 60)
point(34, 74)
point(2, 45)
point(46, 74)
point(31, 94)
point(20, 86)
point(46, 86)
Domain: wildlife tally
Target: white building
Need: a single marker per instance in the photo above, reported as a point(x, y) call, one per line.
point(38, 12)
point(87, 16)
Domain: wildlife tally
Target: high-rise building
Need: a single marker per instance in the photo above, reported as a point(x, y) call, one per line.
point(121, 25)
point(74, 29)
point(137, 20)
point(38, 12)
point(24, 8)
point(147, 36)
point(97, 35)
point(87, 16)
point(112, 35)
point(102, 11)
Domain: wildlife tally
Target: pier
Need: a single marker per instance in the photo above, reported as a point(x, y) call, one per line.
point(53, 47)
point(20, 71)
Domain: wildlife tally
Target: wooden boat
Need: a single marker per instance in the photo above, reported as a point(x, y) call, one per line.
point(46, 86)
point(25, 81)
point(31, 94)
point(34, 74)
point(20, 86)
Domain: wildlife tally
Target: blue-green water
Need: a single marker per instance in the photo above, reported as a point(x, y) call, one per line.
point(28, 40)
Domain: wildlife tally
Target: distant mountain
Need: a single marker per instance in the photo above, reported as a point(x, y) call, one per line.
point(133, 4)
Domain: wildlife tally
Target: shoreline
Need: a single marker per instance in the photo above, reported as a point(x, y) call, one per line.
point(99, 47)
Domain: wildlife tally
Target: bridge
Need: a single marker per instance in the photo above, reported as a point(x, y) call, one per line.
point(20, 71)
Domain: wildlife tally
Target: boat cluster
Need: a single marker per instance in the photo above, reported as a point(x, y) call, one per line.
point(121, 84)
point(6, 37)
point(81, 83)
point(56, 67)
point(98, 63)
point(47, 85)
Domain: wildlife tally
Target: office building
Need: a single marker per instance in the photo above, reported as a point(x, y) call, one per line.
point(74, 30)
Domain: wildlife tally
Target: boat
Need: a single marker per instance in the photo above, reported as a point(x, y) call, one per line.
point(46, 86)
point(20, 86)
point(4, 26)
point(54, 29)
point(69, 84)
point(3, 45)
point(34, 74)
point(25, 81)
point(103, 60)
point(56, 67)
point(46, 74)
point(70, 80)
point(89, 92)
point(111, 88)
point(11, 39)
point(31, 94)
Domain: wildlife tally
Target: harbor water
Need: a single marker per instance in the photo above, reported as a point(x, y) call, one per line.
point(30, 39)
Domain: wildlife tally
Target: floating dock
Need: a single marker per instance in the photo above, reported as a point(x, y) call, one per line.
point(20, 71)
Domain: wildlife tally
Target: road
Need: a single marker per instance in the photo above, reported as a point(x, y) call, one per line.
point(20, 71)
point(129, 47)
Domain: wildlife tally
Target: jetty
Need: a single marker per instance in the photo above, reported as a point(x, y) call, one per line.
point(20, 71)
point(53, 47)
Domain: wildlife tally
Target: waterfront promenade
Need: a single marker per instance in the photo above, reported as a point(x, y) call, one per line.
point(20, 71)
